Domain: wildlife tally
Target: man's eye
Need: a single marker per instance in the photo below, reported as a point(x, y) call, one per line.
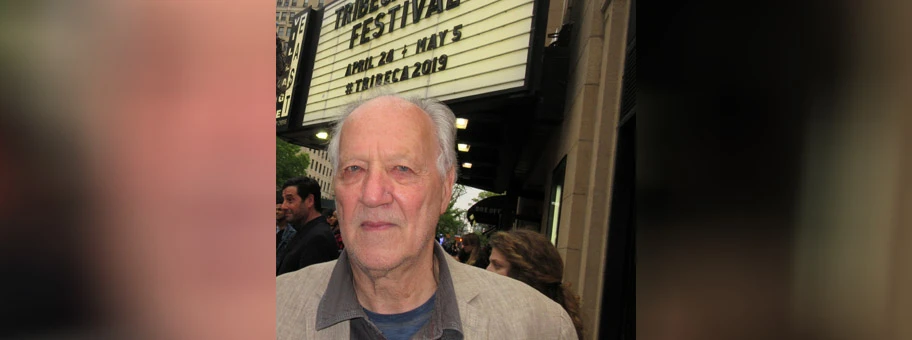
point(402, 168)
point(352, 168)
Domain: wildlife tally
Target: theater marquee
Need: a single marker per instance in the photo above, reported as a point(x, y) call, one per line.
point(446, 49)
point(294, 53)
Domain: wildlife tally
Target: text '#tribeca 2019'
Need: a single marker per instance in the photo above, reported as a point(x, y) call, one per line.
point(399, 74)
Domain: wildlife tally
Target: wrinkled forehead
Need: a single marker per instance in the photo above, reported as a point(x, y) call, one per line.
point(392, 117)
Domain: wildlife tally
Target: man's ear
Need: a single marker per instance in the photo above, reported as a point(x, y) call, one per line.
point(448, 184)
point(309, 202)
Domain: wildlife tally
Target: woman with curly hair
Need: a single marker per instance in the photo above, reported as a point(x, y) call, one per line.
point(529, 257)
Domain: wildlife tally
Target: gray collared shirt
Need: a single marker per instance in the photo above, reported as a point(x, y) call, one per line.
point(339, 304)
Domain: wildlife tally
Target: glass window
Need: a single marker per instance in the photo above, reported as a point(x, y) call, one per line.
point(284, 16)
point(281, 31)
point(294, 2)
point(277, 15)
point(557, 190)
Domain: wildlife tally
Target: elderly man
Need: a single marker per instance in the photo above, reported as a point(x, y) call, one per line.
point(394, 162)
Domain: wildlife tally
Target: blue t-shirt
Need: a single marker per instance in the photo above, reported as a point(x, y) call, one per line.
point(402, 326)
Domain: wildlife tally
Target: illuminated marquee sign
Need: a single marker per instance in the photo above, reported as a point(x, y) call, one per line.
point(446, 49)
point(294, 53)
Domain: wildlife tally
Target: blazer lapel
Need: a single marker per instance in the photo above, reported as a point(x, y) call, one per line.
point(467, 290)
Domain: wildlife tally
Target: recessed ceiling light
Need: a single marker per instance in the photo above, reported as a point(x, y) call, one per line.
point(462, 123)
point(467, 165)
point(463, 147)
point(322, 135)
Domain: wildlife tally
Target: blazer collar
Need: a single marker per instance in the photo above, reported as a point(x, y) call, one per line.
point(339, 303)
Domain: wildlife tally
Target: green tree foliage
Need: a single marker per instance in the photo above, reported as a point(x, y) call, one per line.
point(484, 194)
point(451, 222)
point(290, 162)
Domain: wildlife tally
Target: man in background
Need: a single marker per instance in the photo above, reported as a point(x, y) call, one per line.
point(313, 242)
point(284, 231)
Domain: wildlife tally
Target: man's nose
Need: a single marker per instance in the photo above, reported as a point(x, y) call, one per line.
point(376, 189)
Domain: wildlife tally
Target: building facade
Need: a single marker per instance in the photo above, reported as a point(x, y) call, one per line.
point(588, 173)
point(321, 170)
point(287, 9)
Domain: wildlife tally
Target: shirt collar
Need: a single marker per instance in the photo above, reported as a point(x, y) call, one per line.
point(339, 302)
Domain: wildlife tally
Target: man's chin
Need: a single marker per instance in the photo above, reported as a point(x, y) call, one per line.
point(374, 262)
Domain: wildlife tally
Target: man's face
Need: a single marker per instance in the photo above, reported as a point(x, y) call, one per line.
point(389, 193)
point(295, 208)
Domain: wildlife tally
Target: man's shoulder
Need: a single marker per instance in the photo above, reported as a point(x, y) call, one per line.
point(298, 295)
point(317, 228)
point(523, 311)
point(306, 282)
point(492, 286)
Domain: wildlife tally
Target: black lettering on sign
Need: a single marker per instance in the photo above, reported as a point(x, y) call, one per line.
point(373, 6)
point(405, 10)
point(365, 29)
point(354, 35)
point(385, 2)
point(396, 75)
point(432, 43)
point(379, 23)
point(405, 73)
point(442, 36)
point(416, 10)
point(457, 33)
point(358, 85)
point(426, 67)
point(348, 88)
point(417, 72)
point(347, 15)
point(356, 9)
point(443, 62)
point(392, 12)
point(363, 7)
point(434, 6)
point(348, 70)
point(339, 13)
point(452, 4)
point(386, 76)
point(421, 46)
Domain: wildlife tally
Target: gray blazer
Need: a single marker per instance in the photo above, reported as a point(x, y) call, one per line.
point(491, 306)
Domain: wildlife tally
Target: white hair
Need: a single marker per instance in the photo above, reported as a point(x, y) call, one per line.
point(443, 118)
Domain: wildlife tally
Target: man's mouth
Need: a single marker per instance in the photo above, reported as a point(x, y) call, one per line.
point(376, 225)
